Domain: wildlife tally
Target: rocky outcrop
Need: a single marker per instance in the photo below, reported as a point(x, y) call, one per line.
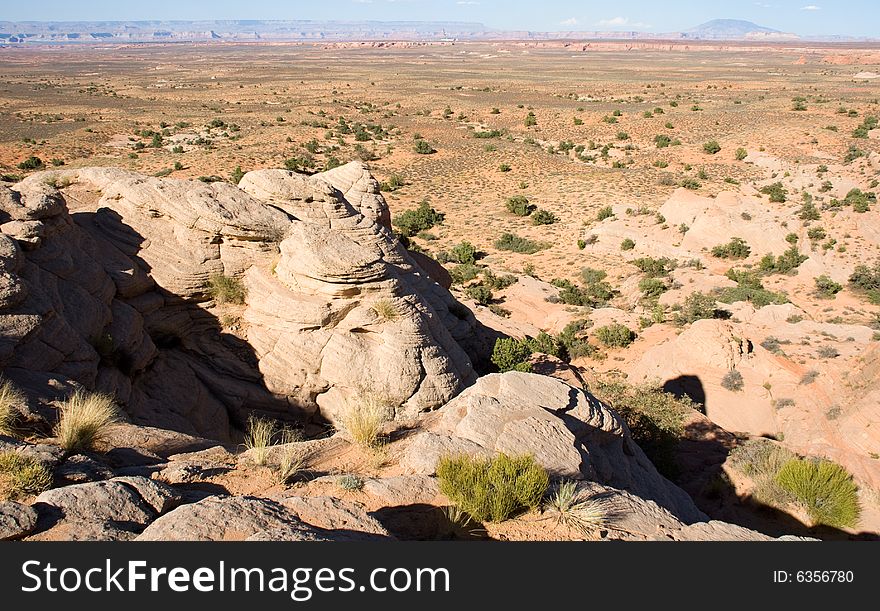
point(568, 431)
point(105, 284)
point(16, 520)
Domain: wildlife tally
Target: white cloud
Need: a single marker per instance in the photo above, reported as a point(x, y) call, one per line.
point(467, 2)
point(616, 22)
point(569, 21)
point(362, 1)
point(811, 7)
point(764, 5)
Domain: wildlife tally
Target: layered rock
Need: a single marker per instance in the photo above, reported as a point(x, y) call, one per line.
point(105, 285)
point(568, 431)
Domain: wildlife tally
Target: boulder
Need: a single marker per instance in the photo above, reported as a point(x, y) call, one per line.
point(16, 520)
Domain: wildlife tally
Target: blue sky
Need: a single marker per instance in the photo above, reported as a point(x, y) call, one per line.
point(853, 17)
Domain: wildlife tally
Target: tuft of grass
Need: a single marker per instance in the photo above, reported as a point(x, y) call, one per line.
point(825, 489)
point(22, 476)
point(292, 463)
point(515, 243)
point(385, 309)
point(350, 482)
point(732, 381)
point(84, 419)
point(492, 489)
point(259, 438)
point(568, 507)
point(10, 399)
point(226, 289)
point(365, 417)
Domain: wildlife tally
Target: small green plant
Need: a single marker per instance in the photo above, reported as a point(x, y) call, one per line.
point(492, 489)
point(84, 419)
point(514, 243)
point(741, 154)
point(604, 213)
point(422, 147)
point(568, 508)
point(237, 175)
point(543, 217)
point(712, 147)
point(627, 244)
point(292, 463)
point(825, 490)
point(776, 191)
point(350, 482)
point(510, 354)
point(226, 289)
point(31, 163)
point(519, 205)
point(826, 287)
point(22, 476)
point(411, 222)
point(531, 120)
point(615, 335)
point(737, 248)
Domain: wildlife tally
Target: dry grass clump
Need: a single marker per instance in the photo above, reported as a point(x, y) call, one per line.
point(385, 309)
point(225, 289)
point(824, 489)
point(365, 417)
point(569, 508)
point(294, 458)
point(259, 438)
point(492, 489)
point(84, 420)
point(22, 476)
point(10, 399)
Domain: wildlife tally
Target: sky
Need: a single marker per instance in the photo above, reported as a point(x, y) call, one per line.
point(805, 17)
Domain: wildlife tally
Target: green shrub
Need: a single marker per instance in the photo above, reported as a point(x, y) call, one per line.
point(510, 354)
point(350, 482)
point(543, 217)
point(570, 509)
point(519, 205)
point(604, 213)
point(867, 125)
point(697, 306)
point(776, 191)
point(859, 200)
point(654, 268)
point(826, 287)
point(741, 154)
point(627, 244)
point(423, 148)
point(866, 280)
point(463, 252)
point(514, 243)
point(531, 120)
point(652, 288)
point(22, 476)
point(31, 163)
point(226, 289)
point(662, 141)
point(737, 248)
point(498, 283)
point(411, 222)
point(492, 489)
point(84, 420)
point(480, 293)
point(655, 419)
point(748, 288)
point(712, 147)
point(464, 273)
point(595, 292)
point(824, 488)
point(615, 335)
point(785, 263)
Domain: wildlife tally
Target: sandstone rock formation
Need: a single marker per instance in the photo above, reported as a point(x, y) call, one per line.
point(568, 431)
point(105, 284)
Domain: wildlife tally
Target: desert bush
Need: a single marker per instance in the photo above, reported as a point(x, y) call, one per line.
point(497, 283)
point(732, 381)
point(22, 476)
point(866, 280)
point(514, 243)
point(480, 293)
point(652, 288)
point(860, 200)
point(464, 273)
point(394, 182)
point(226, 289)
point(712, 147)
point(463, 252)
point(654, 268)
point(737, 248)
point(824, 488)
point(594, 293)
point(492, 489)
point(411, 222)
point(510, 354)
point(519, 205)
point(655, 418)
point(615, 335)
point(869, 123)
point(423, 148)
point(292, 462)
point(350, 482)
point(627, 244)
point(569, 508)
point(531, 120)
point(785, 263)
point(828, 352)
point(748, 288)
point(543, 217)
point(84, 420)
point(32, 163)
point(697, 306)
point(604, 213)
point(10, 399)
point(826, 287)
point(662, 141)
point(761, 459)
point(365, 416)
point(741, 154)
point(776, 191)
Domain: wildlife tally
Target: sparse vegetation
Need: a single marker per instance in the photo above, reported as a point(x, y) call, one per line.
point(492, 489)
point(22, 476)
point(615, 336)
point(732, 381)
point(259, 438)
point(569, 508)
point(10, 399)
point(365, 416)
point(411, 222)
point(226, 289)
point(514, 243)
point(824, 489)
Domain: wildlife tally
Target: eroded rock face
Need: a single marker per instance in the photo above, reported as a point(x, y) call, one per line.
point(568, 431)
point(107, 287)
